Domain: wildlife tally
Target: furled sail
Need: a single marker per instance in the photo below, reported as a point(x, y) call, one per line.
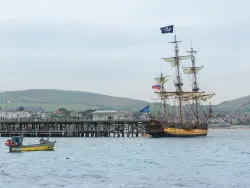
point(161, 80)
point(206, 97)
point(183, 94)
point(190, 70)
point(166, 94)
point(186, 95)
point(203, 97)
point(172, 60)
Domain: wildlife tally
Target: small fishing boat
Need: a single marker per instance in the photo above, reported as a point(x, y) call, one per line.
point(15, 145)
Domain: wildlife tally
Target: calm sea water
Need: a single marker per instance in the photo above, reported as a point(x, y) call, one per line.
point(222, 159)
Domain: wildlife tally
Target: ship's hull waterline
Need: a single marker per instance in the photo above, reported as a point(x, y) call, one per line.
point(175, 132)
point(161, 129)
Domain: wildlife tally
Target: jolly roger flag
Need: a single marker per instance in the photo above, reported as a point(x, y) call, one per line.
point(167, 29)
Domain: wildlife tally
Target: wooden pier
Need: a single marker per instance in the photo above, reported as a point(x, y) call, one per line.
point(71, 128)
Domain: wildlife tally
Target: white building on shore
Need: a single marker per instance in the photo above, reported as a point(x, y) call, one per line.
point(14, 115)
point(105, 115)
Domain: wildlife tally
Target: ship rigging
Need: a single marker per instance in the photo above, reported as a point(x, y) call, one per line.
point(189, 121)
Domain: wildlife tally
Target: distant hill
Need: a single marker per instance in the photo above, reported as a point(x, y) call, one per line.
point(51, 99)
point(238, 105)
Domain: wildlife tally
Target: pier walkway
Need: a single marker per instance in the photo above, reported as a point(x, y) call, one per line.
point(71, 128)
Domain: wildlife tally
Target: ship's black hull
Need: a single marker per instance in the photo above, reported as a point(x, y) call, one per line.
point(163, 134)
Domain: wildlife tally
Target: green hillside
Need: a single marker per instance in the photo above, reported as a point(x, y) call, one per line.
point(50, 100)
point(238, 105)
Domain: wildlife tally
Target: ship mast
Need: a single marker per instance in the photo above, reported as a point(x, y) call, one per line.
point(195, 84)
point(178, 83)
point(162, 80)
point(163, 98)
point(175, 62)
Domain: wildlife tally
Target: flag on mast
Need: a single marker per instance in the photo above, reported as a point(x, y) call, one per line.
point(145, 109)
point(157, 87)
point(167, 29)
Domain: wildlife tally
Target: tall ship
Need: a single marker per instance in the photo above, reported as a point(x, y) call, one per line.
point(180, 113)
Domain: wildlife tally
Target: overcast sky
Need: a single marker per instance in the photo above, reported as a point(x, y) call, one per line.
point(115, 47)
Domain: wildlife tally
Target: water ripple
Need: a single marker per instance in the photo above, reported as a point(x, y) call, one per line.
point(219, 160)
